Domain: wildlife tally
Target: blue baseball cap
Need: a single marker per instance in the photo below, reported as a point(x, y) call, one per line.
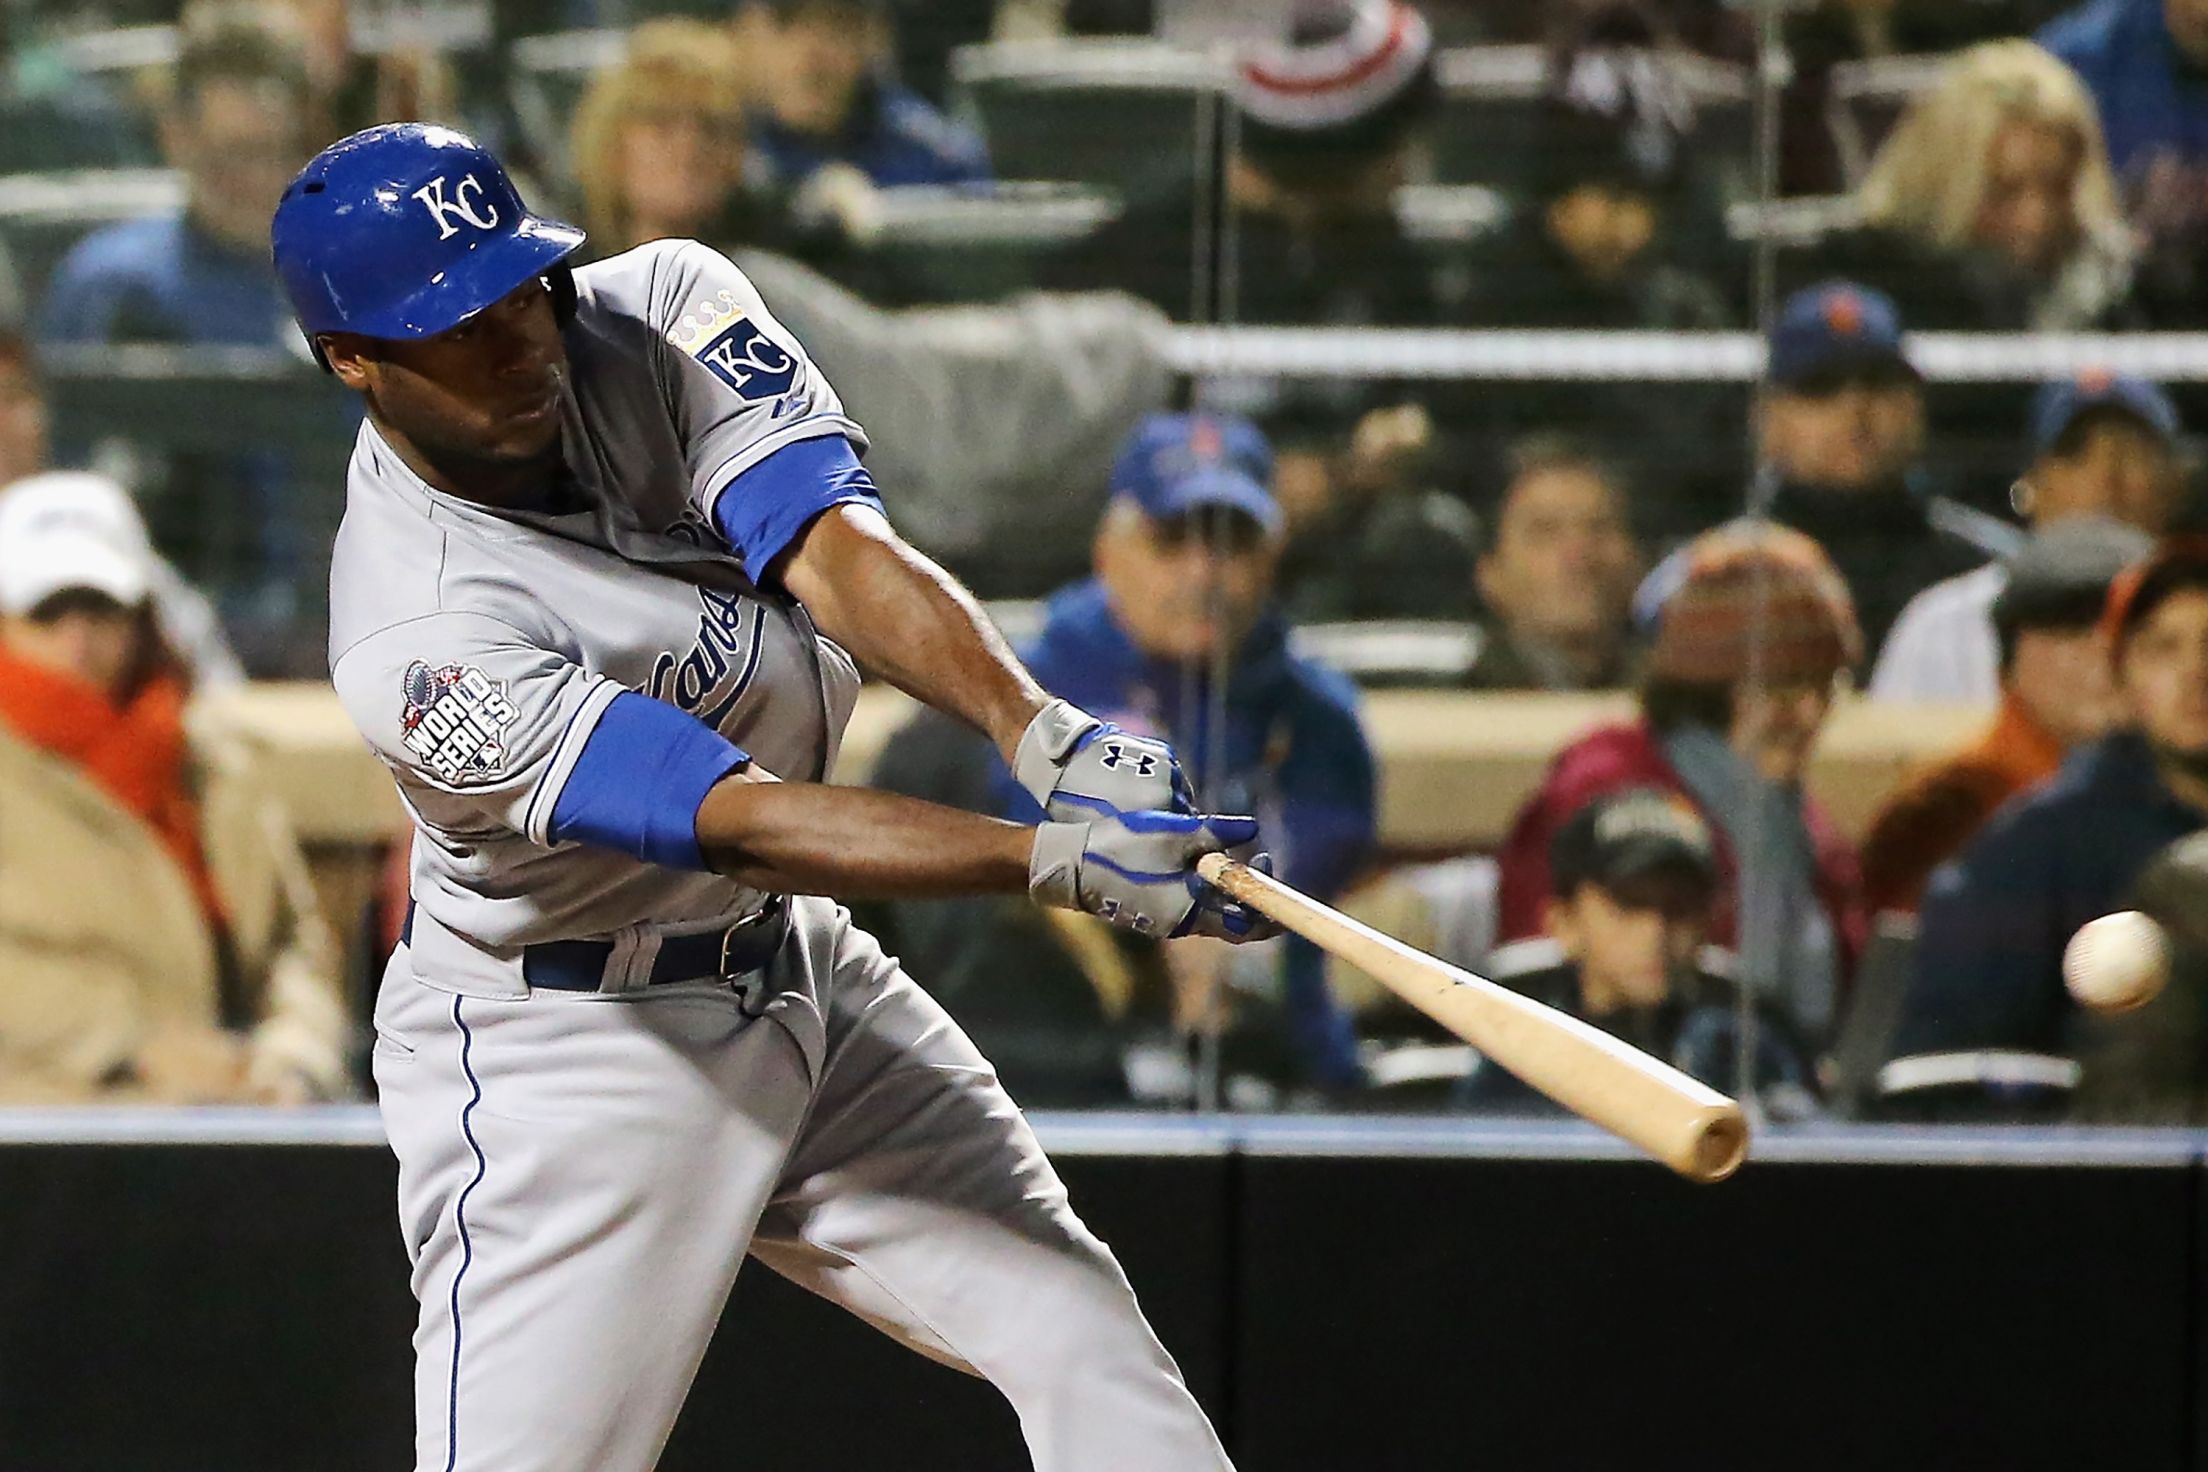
point(2059, 404)
point(1834, 330)
point(1174, 464)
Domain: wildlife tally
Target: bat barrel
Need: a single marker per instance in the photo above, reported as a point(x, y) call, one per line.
point(1679, 1120)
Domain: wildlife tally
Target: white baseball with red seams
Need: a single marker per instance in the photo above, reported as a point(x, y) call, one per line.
point(2117, 962)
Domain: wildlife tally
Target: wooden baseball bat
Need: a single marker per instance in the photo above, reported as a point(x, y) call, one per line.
point(1680, 1121)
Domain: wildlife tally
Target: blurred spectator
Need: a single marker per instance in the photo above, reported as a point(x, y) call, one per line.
point(1988, 967)
point(1991, 205)
point(1327, 122)
point(1612, 218)
point(1184, 568)
point(1821, 34)
point(1632, 884)
point(823, 69)
point(217, 982)
point(236, 125)
point(348, 89)
point(97, 506)
point(994, 422)
point(23, 418)
point(1557, 576)
point(1367, 540)
point(1789, 897)
point(1840, 431)
point(2056, 695)
point(2102, 446)
point(659, 146)
point(2143, 61)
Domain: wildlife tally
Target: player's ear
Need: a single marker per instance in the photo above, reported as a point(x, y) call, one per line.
point(346, 355)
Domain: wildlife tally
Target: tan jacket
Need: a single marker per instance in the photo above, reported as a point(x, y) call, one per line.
point(103, 946)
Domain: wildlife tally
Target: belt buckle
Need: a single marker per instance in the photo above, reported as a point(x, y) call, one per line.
point(736, 933)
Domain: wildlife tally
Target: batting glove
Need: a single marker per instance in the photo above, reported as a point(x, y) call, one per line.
point(1138, 870)
point(1077, 767)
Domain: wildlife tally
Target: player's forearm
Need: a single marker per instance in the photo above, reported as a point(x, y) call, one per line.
point(807, 838)
point(910, 622)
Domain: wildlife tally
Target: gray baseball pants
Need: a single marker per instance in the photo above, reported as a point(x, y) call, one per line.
point(581, 1175)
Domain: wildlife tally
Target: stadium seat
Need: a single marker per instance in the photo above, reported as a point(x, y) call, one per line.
point(1105, 112)
point(546, 78)
point(942, 244)
point(1868, 98)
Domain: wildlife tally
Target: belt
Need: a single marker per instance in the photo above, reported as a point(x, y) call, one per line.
point(580, 965)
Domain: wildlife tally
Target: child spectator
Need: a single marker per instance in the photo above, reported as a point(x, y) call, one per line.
point(216, 982)
point(1557, 576)
point(2056, 696)
point(1789, 895)
point(825, 72)
point(1632, 885)
point(1988, 967)
point(2102, 446)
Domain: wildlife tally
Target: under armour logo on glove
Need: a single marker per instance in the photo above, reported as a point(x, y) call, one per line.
point(1141, 763)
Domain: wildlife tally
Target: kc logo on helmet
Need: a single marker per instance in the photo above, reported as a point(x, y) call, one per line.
point(463, 204)
point(749, 361)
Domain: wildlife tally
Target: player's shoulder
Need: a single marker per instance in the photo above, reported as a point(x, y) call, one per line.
point(665, 282)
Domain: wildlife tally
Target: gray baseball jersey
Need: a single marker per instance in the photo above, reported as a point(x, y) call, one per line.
point(580, 1175)
point(476, 650)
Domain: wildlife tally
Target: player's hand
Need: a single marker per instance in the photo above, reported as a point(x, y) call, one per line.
point(1078, 768)
point(1138, 870)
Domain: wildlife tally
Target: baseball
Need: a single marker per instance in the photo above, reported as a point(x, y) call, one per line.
point(2117, 962)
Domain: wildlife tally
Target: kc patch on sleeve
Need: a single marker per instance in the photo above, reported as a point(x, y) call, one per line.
point(454, 719)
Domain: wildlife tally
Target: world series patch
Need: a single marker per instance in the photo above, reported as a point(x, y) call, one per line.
point(453, 719)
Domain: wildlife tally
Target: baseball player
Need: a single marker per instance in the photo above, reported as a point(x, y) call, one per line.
point(606, 542)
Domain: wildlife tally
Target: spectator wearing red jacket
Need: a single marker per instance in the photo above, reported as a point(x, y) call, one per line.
point(1735, 747)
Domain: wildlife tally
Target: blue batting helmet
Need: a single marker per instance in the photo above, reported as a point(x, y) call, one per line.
point(404, 230)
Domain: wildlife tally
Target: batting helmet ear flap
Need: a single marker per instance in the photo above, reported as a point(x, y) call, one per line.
point(560, 280)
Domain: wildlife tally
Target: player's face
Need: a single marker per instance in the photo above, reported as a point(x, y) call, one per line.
point(1564, 562)
point(1855, 433)
point(2163, 673)
point(484, 394)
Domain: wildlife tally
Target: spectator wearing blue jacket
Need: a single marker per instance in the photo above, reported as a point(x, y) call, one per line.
point(1988, 967)
point(236, 129)
point(2146, 64)
point(1184, 562)
point(827, 97)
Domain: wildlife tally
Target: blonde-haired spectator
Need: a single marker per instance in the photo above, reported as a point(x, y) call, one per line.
point(658, 148)
point(1992, 204)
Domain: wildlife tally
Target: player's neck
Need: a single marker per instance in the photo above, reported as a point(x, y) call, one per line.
point(501, 483)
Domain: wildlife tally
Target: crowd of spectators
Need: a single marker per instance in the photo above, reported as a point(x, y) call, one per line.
point(1735, 558)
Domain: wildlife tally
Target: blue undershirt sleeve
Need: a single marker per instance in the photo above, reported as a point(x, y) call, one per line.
point(638, 782)
point(762, 511)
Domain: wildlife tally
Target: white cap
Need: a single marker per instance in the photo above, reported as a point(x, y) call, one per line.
point(70, 529)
